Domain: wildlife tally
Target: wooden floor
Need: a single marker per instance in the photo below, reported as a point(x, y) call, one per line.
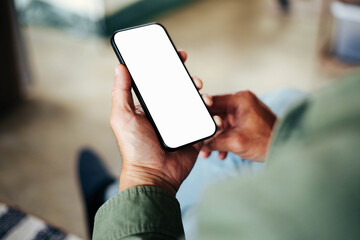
point(232, 45)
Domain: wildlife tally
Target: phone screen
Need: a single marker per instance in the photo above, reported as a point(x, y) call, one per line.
point(171, 98)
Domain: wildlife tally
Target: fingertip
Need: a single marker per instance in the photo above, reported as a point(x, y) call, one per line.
point(207, 99)
point(218, 121)
point(122, 68)
point(117, 69)
point(210, 100)
point(183, 55)
point(222, 155)
point(204, 154)
point(198, 82)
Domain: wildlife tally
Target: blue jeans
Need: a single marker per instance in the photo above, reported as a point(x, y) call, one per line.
point(211, 170)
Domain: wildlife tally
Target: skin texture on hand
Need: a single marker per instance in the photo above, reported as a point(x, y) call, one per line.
point(144, 162)
point(246, 129)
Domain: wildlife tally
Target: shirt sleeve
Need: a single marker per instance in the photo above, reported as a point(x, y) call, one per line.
point(142, 212)
point(310, 187)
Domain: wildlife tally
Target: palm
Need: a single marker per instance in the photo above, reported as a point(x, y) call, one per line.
point(174, 166)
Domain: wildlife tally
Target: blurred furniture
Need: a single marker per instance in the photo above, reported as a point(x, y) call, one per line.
point(347, 31)
point(13, 68)
point(138, 12)
point(101, 17)
point(284, 4)
point(327, 40)
point(16, 224)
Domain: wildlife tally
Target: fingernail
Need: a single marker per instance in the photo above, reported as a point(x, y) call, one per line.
point(203, 154)
point(198, 82)
point(217, 121)
point(208, 99)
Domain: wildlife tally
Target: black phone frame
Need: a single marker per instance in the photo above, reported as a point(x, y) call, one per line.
point(142, 102)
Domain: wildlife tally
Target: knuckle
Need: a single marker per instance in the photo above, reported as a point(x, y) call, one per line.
point(247, 98)
point(114, 121)
point(248, 93)
point(238, 142)
point(245, 94)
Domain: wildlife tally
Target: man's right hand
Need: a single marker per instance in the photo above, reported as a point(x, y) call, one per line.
point(247, 125)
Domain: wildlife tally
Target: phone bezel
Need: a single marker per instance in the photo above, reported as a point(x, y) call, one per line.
point(138, 94)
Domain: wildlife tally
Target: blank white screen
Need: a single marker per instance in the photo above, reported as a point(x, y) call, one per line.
point(166, 88)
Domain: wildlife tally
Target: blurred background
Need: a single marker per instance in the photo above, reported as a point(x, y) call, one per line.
point(57, 70)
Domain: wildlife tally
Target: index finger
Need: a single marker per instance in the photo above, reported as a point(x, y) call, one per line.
point(222, 104)
point(224, 142)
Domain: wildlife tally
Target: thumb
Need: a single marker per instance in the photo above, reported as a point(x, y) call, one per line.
point(122, 101)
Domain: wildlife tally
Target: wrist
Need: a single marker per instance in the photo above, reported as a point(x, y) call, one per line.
point(140, 177)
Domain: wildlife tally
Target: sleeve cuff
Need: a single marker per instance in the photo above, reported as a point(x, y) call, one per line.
point(139, 210)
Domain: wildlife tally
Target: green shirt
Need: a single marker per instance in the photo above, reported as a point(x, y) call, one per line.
point(310, 188)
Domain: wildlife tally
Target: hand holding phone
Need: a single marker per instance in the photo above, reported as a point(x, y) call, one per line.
point(163, 86)
point(144, 161)
point(171, 111)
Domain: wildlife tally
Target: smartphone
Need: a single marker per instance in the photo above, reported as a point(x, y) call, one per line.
point(163, 86)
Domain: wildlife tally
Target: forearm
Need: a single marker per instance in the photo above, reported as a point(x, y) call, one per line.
point(143, 212)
